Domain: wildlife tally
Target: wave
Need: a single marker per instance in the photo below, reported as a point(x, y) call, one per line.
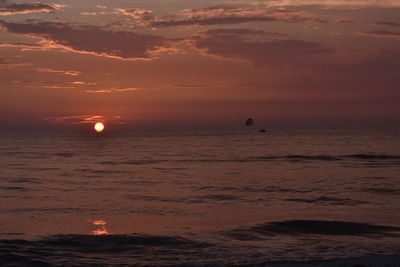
point(313, 227)
point(84, 250)
point(130, 162)
point(22, 180)
point(384, 191)
point(64, 155)
point(154, 250)
point(332, 158)
point(188, 199)
point(329, 200)
point(371, 260)
point(371, 158)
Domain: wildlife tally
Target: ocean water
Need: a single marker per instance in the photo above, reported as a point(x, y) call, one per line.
point(326, 198)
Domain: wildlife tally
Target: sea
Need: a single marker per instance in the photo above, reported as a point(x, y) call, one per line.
point(280, 198)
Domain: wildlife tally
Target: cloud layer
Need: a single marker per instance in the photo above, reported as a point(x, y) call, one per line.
point(335, 3)
point(90, 39)
point(218, 16)
point(260, 47)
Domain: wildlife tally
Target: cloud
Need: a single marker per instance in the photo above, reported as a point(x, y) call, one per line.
point(218, 16)
point(260, 47)
point(136, 13)
point(378, 23)
point(45, 84)
point(83, 83)
point(76, 119)
point(380, 34)
point(26, 8)
point(4, 64)
point(54, 85)
point(93, 40)
point(354, 4)
point(388, 23)
point(84, 119)
point(111, 90)
point(65, 72)
point(23, 46)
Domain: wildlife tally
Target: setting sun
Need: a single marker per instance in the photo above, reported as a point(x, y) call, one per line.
point(99, 127)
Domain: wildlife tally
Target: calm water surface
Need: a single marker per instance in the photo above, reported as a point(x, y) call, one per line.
point(314, 198)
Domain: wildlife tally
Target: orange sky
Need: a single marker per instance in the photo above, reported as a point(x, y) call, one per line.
point(186, 62)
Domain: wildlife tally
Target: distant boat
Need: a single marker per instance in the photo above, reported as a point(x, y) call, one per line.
point(262, 130)
point(250, 122)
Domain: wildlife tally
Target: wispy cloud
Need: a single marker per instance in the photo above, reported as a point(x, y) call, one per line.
point(65, 72)
point(24, 46)
point(44, 84)
point(54, 85)
point(76, 119)
point(84, 119)
point(111, 90)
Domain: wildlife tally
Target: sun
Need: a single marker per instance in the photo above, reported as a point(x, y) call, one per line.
point(99, 127)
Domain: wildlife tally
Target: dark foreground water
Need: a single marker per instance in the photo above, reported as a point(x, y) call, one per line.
point(276, 199)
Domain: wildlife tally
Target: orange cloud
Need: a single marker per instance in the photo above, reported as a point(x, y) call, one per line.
point(55, 85)
point(65, 72)
point(23, 46)
point(111, 90)
point(76, 119)
point(136, 13)
point(84, 119)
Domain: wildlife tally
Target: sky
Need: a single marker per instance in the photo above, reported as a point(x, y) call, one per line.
point(199, 64)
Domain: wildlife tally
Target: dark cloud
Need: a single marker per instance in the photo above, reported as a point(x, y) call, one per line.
point(24, 8)
point(218, 16)
point(378, 23)
point(381, 34)
point(91, 39)
point(260, 47)
point(388, 23)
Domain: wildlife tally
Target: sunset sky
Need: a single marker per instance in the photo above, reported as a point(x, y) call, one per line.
point(199, 63)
